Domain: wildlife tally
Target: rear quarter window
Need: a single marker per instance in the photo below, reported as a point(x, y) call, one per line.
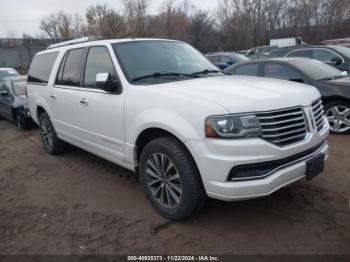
point(41, 67)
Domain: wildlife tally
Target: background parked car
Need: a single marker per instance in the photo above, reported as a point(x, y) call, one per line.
point(260, 51)
point(7, 72)
point(13, 101)
point(330, 81)
point(341, 41)
point(224, 60)
point(337, 56)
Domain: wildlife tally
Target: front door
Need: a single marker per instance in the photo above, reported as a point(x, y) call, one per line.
point(6, 100)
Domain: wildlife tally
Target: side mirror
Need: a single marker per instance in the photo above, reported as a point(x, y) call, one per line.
point(104, 81)
point(4, 94)
point(229, 63)
point(298, 80)
point(336, 61)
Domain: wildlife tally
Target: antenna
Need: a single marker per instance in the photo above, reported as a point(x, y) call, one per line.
point(72, 42)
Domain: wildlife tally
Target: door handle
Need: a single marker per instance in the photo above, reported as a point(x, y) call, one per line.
point(84, 101)
point(53, 96)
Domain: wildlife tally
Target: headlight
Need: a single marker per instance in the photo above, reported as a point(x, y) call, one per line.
point(233, 126)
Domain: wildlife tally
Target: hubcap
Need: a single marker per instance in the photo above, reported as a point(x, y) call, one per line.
point(163, 180)
point(46, 133)
point(339, 118)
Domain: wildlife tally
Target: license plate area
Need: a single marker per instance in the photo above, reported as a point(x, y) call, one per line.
point(314, 167)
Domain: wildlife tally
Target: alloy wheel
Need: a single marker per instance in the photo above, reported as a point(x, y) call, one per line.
point(163, 180)
point(47, 134)
point(339, 118)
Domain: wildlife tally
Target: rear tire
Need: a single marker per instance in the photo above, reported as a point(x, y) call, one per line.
point(52, 144)
point(170, 179)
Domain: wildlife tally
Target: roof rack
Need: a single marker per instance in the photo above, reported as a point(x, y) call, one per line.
point(72, 42)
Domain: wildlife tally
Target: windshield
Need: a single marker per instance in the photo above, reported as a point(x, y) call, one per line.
point(343, 50)
point(160, 61)
point(238, 58)
point(7, 73)
point(318, 70)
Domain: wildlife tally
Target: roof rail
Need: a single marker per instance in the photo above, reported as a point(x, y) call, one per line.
point(72, 42)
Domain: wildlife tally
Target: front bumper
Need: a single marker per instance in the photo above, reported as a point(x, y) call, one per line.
point(216, 158)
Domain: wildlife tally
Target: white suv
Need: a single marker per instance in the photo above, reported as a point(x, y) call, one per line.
point(160, 108)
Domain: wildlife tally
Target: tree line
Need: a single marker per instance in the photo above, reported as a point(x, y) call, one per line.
point(233, 25)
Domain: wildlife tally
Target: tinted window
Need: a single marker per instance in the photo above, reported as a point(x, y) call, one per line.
point(41, 68)
point(325, 55)
point(280, 71)
point(69, 73)
point(98, 61)
point(248, 70)
point(301, 53)
point(214, 59)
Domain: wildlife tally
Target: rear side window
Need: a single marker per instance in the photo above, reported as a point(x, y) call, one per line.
point(41, 67)
point(69, 72)
point(248, 70)
point(301, 53)
point(280, 71)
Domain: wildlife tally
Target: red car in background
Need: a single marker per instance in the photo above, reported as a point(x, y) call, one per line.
point(341, 41)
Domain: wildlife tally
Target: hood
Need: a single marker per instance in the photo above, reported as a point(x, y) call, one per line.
point(246, 94)
point(345, 81)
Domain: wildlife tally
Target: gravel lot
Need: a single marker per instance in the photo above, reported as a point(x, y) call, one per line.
point(77, 203)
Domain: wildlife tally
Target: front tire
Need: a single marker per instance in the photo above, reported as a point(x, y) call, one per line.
point(21, 121)
point(338, 116)
point(52, 144)
point(170, 179)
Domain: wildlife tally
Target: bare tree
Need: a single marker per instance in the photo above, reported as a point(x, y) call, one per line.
point(61, 26)
point(104, 22)
point(136, 17)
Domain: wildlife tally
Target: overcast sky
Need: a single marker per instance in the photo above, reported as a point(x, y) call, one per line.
point(23, 16)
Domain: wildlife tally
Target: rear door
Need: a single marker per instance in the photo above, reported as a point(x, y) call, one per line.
point(64, 97)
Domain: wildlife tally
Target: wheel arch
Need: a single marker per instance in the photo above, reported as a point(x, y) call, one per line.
point(327, 100)
point(149, 134)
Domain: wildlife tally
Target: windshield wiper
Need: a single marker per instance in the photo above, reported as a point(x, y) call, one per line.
point(209, 71)
point(159, 74)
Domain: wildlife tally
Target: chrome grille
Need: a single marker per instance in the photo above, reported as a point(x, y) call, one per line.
point(283, 127)
point(317, 109)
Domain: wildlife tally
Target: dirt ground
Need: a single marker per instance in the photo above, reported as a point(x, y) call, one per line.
point(77, 203)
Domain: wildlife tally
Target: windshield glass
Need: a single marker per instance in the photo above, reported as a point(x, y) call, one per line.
point(238, 58)
point(343, 50)
point(7, 73)
point(157, 58)
point(318, 70)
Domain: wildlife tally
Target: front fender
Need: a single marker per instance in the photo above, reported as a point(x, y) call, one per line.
point(167, 120)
